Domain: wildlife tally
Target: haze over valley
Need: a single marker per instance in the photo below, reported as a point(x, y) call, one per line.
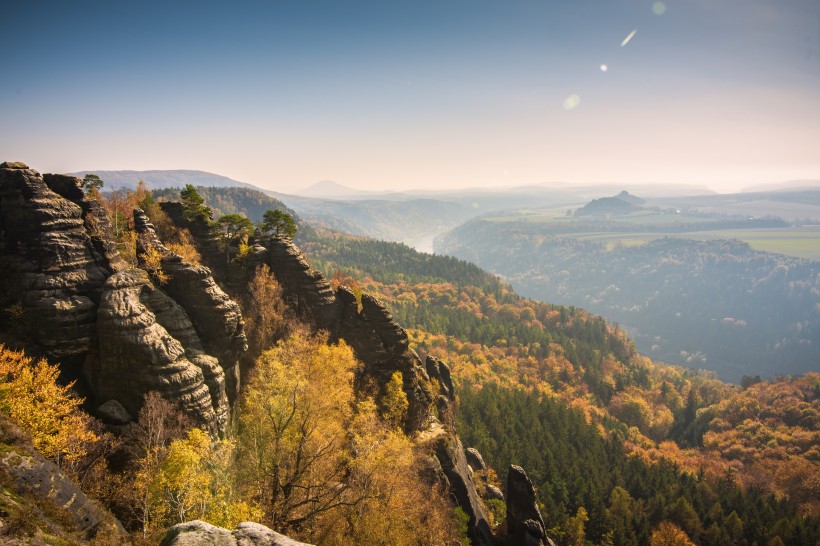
point(462, 273)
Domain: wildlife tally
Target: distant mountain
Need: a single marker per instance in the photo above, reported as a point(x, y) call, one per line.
point(619, 205)
point(784, 186)
point(328, 189)
point(162, 179)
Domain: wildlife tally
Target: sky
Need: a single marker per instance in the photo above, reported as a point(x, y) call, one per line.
point(417, 94)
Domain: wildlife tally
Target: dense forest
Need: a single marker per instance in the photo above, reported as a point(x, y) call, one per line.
point(559, 391)
point(717, 305)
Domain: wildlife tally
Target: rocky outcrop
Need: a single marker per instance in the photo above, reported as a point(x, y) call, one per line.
point(450, 453)
point(306, 290)
point(54, 259)
point(525, 526)
point(200, 533)
point(376, 339)
point(147, 343)
point(440, 371)
point(73, 299)
point(474, 459)
point(30, 475)
point(215, 317)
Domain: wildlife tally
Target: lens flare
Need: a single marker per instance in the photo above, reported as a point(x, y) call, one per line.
point(658, 8)
point(572, 102)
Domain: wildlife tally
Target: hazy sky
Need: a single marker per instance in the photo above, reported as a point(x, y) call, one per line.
point(409, 94)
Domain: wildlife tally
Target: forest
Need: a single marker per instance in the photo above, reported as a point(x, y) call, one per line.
point(542, 385)
point(621, 449)
point(713, 304)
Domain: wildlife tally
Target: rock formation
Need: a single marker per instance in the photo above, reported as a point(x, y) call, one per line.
point(54, 260)
point(376, 339)
point(450, 453)
point(216, 318)
point(29, 474)
point(141, 336)
point(525, 526)
point(200, 533)
point(77, 302)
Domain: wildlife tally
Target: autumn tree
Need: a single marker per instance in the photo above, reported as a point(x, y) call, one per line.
point(48, 412)
point(394, 402)
point(669, 534)
point(264, 311)
point(292, 430)
point(194, 482)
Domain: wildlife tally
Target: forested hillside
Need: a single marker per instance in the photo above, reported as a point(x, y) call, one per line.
point(559, 391)
point(714, 304)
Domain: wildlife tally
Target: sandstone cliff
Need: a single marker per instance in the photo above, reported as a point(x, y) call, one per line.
point(66, 294)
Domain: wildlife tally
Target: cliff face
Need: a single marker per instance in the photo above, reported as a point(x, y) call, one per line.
point(53, 262)
point(66, 293)
point(376, 339)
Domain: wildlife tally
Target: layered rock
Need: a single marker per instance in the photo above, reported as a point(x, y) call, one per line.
point(215, 317)
point(73, 299)
point(141, 336)
point(200, 533)
point(450, 453)
point(376, 339)
point(28, 473)
point(306, 290)
point(525, 526)
point(54, 258)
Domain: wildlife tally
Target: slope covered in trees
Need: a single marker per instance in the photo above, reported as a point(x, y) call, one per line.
point(664, 433)
point(713, 304)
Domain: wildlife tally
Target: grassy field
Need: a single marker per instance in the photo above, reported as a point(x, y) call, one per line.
point(802, 242)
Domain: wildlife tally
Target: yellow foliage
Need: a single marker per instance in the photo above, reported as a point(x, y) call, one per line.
point(48, 412)
point(669, 534)
point(292, 429)
point(394, 402)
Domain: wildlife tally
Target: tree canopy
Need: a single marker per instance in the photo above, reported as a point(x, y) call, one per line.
point(277, 222)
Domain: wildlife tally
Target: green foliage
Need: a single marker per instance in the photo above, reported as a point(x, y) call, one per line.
point(231, 229)
point(92, 183)
point(278, 223)
point(625, 499)
point(462, 521)
point(194, 206)
point(714, 304)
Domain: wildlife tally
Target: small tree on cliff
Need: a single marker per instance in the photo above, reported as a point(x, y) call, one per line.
point(193, 205)
point(230, 229)
point(92, 183)
point(277, 222)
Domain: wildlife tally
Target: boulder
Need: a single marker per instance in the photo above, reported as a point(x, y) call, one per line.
point(474, 459)
point(492, 492)
point(200, 533)
point(112, 413)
